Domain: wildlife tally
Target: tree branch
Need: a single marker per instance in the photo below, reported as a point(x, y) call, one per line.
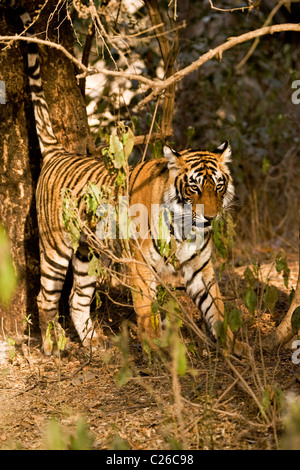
point(86, 70)
point(86, 54)
point(159, 86)
point(217, 52)
point(266, 23)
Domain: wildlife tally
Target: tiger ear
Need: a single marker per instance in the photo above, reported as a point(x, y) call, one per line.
point(225, 151)
point(172, 157)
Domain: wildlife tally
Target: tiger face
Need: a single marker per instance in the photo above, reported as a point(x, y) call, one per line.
point(201, 180)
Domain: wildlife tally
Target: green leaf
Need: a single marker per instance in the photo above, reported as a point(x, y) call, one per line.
point(270, 297)
point(61, 340)
point(218, 226)
point(123, 375)
point(291, 295)
point(94, 268)
point(282, 267)
point(82, 440)
point(295, 320)
point(93, 197)
point(155, 321)
point(173, 310)
point(164, 240)
point(265, 402)
point(180, 357)
point(116, 150)
point(265, 165)
point(249, 277)
point(11, 347)
point(251, 300)
point(55, 437)
point(69, 217)
point(128, 143)
point(220, 328)
point(235, 319)
point(50, 327)
point(75, 233)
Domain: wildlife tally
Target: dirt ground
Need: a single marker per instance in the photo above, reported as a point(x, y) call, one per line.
point(51, 402)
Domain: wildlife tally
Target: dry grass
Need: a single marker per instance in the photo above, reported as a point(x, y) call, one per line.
point(220, 402)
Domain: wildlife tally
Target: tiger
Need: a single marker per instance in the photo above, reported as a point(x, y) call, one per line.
point(193, 179)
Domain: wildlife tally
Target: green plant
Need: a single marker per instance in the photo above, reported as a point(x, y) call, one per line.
point(11, 347)
point(291, 422)
point(55, 332)
point(250, 276)
point(223, 235)
point(121, 142)
point(8, 277)
point(232, 319)
point(282, 267)
point(122, 342)
point(118, 443)
point(59, 439)
point(70, 217)
point(270, 297)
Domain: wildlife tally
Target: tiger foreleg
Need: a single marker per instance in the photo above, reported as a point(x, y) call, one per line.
point(202, 287)
point(143, 295)
point(53, 272)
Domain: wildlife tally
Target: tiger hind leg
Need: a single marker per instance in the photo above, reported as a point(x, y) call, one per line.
point(81, 298)
point(53, 273)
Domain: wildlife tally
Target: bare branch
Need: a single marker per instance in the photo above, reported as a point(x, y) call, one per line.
point(86, 54)
point(86, 70)
point(217, 52)
point(249, 7)
point(158, 86)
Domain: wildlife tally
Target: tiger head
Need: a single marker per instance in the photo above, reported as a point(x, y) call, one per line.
point(201, 179)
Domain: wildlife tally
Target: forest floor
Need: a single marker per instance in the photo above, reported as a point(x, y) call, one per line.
point(75, 401)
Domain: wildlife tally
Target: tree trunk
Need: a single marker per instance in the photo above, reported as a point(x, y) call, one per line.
point(20, 162)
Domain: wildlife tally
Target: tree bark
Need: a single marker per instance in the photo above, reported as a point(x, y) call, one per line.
point(20, 162)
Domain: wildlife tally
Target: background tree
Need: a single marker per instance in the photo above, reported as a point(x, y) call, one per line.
point(20, 152)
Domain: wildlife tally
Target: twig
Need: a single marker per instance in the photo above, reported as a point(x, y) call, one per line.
point(250, 7)
point(243, 382)
point(151, 129)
